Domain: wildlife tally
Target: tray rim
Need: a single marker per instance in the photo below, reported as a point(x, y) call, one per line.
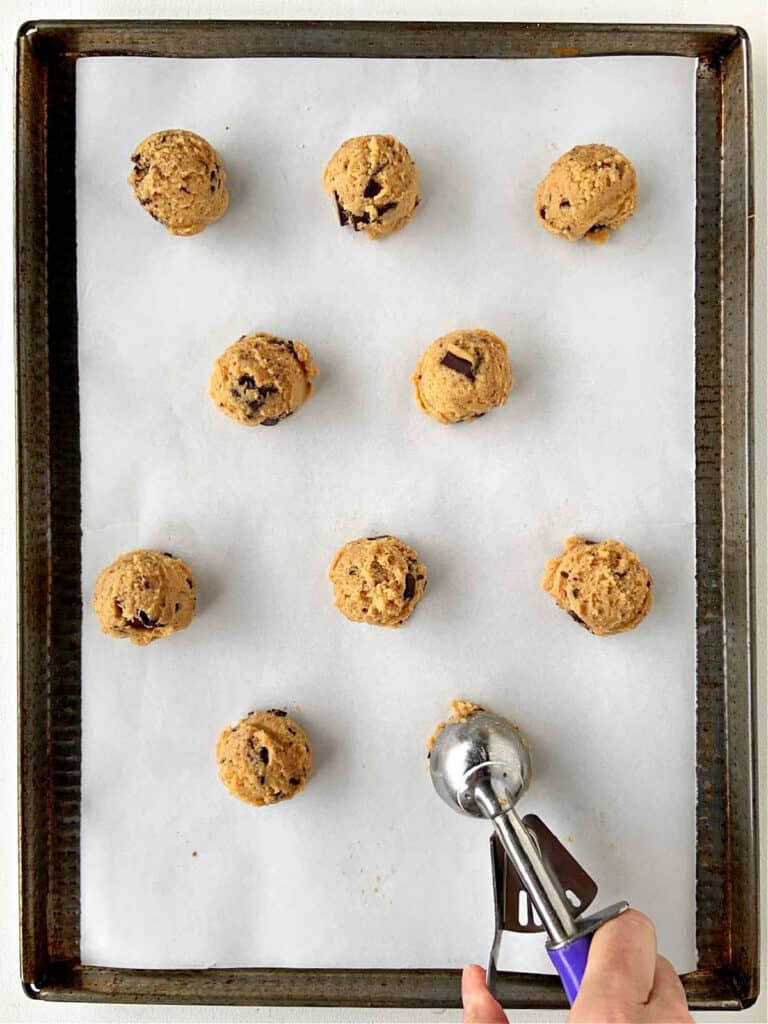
point(46, 54)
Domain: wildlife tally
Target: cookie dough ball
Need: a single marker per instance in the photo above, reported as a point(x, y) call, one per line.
point(374, 183)
point(588, 192)
point(378, 580)
point(265, 758)
point(144, 595)
point(604, 587)
point(179, 179)
point(261, 379)
point(462, 376)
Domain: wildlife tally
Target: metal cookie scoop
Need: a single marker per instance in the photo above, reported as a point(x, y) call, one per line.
point(481, 766)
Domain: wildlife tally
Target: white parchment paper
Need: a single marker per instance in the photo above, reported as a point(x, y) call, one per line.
point(367, 868)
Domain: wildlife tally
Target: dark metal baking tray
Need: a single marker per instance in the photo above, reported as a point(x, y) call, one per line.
point(726, 975)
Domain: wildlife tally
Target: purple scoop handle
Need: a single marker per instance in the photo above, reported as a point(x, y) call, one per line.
point(570, 962)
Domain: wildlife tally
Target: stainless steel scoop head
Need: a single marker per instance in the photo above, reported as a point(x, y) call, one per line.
point(483, 748)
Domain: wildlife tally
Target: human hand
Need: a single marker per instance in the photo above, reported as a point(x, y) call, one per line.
point(625, 982)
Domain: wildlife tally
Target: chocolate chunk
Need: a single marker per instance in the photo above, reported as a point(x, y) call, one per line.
point(145, 619)
point(410, 587)
point(459, 365)
point(264, 755)
point(262, 394)
point(372, 189)
point(274, 420)
point(343, 214)
point(284, 343)
point(576, 618)
point(294, 782)
point(278, 713)
point(357, 220)
point(386, 208)
point(576, 592)
point(565, 575)
point(246, 381)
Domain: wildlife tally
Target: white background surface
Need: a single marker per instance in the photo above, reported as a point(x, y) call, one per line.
point(597, 438)
point(13, 1006)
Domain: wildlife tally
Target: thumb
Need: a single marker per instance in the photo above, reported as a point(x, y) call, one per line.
point(479, 1005)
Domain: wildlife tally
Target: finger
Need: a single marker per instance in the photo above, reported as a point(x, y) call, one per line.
point(668, 1001)
point(479, 1005)
point(622, 960)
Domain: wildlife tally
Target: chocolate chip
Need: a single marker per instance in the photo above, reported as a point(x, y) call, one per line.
point(372, 189)
point(246, 381)
point(262, 780)
point(278, 713)
point(264, 755)
point(262, 394)
point(565, 205)
point(278, 794)
point(381, 536)
point(343, 214)
point(542, 212)
point(176, 607)
point(597, 227)
point(294, 782)
point(290, 730)
point(386, 208)
point(146, 202)
point(168, 554)
point(576, 592)
point(213, 174)
point(189, 582)
point(183, 188)
point(576, 618)
point(592, 542)
point(284, 343)
point(565, 575)
point(274, 420)
point(352, 571)
point(459, 365)
point(153, 215)
point(146, 621)
point(357, 220)
point(410, 587)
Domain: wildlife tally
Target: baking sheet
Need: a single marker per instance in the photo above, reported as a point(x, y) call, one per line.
point(367, 868)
